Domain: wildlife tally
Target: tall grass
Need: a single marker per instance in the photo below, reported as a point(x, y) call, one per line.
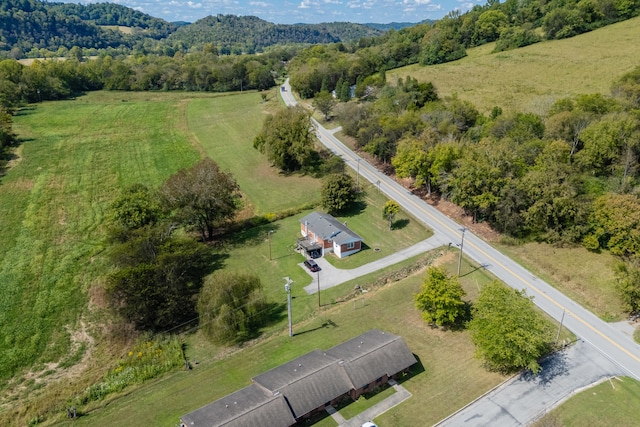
point(150, 357)
point(530, 79)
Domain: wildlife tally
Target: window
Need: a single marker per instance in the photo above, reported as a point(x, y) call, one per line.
point(351, 245)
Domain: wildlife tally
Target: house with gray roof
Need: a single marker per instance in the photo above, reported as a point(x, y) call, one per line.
point(304, 386)
point(322, 233)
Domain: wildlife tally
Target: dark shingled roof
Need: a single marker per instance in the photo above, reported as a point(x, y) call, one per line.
point(279, 396)
point(307, 382)
point(372, 355)
point(248, 407)
point(328, 228)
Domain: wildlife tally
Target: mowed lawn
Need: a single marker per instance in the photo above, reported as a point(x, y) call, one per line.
point(225, 128)
point(530, 79)
point(74, 158)
point(612, 403)
point(446, 378)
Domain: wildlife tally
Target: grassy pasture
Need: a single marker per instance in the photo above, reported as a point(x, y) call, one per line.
point(75, 158)
point(52, 204)
point(530, 79)
point(225, 127)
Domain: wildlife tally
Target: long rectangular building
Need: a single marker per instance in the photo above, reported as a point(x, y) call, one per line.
point(297, 389)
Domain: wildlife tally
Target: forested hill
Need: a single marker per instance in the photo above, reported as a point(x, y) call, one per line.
point(114, 14)
point(230, 33)
point(31, 25)
point(25, 24)
point(32, 28)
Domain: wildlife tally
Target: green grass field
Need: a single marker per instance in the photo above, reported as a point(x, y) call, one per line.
point(225, 128)
point(74, 158)
point(447, 377)
point(611, 403)
point(530, 79)
point(589, 281)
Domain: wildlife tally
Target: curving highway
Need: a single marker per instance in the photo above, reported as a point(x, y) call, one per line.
point(610, 341)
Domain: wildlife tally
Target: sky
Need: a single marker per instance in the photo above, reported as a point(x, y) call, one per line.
point(298, 11)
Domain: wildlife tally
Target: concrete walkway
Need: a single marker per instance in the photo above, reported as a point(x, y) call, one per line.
point(331, 276)
point(376, 410)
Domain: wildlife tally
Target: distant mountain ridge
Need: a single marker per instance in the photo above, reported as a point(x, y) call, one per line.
point(250, 33)
point(29, 26)
point(397, 25)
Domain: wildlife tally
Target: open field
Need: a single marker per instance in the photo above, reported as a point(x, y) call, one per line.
point(52, 206)
point(225, 128)
point(448, 376)
point(585, 276)
point(530, 79)
point(611, 403)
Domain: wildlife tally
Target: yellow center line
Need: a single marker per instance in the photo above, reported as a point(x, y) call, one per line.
point(411, 201)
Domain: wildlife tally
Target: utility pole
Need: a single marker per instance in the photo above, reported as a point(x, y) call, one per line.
point(287, 288)
point(559, 328)
point(463, 229)
point(269, 237)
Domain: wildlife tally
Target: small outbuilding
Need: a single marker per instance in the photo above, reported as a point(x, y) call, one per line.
point(323, 233)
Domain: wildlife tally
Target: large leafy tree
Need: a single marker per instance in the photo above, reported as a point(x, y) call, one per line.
point(231, 306)
point(158, 278)
point(337, 193)
point(552, 190)
point(324, 102)
point(202, 196)
point(389, 211)
point(508, 332)
point(628, 278)
point(616, 224)
point(136, 207)
point(286, 140)
point(440, 299)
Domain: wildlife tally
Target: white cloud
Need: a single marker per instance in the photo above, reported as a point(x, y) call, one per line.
point(259, 3)
point(193, 5)
point(304, 4)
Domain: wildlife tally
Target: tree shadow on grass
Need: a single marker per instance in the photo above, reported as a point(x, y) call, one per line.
point(7, 155)
point(354, 209)
point(256, 235)
point(400, 224)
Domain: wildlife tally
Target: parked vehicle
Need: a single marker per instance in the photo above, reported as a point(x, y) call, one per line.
point(312, 265)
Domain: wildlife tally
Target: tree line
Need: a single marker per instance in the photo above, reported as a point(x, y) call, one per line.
point(569, 177)
point(53, 80)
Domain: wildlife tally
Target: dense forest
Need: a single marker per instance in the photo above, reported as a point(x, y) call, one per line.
point(248, 34)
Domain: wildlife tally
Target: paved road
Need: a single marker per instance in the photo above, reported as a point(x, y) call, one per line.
point(525, 398)
point(610, 341)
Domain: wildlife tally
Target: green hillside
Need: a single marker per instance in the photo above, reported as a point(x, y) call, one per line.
point(530, 79)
